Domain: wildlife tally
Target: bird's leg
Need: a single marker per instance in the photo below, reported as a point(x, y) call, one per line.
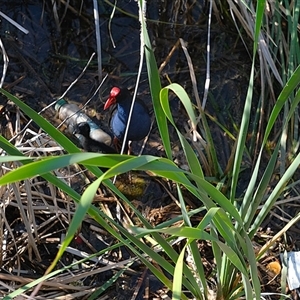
point(115, 141)
point(116, 144)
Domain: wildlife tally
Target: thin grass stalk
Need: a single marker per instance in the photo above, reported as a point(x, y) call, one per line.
point(142, 12)
point(154, 83)
point(275, 194)
point(249, 208)
point(257, 128)
point(279, 37)
point(55, 15)
point(207, 80)
point(294, 58)
point(197, 267)
point(219, 264)
point(17, 25)
point(200, 274)
point(98, 39)
point(275, 238)
point(242, 137)
point(192, 159)
point(109, 24)
point(282, 99)
point(178, 274)
point(247, 108)
point(283, 141)
point(5, 63)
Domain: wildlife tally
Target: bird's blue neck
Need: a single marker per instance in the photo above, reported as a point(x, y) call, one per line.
point(123, 110)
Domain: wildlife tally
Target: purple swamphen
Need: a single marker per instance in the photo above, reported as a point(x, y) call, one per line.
point(140, 119)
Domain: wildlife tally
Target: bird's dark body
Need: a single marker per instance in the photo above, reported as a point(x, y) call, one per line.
point(140, 119)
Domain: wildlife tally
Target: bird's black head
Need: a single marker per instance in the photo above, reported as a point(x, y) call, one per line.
point(124, 95)
point(83, 129)
point(117, 95)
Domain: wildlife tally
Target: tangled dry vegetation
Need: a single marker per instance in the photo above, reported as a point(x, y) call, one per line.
point(35, 214)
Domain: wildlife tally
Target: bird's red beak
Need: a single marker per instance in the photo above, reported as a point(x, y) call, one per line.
point(112, 97)
point(109, 102)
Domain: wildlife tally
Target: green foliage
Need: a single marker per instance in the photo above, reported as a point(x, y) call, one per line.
point(227, 224)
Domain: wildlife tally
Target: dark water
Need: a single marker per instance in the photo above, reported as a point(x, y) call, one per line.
point(61, 39)
point(58, 49)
